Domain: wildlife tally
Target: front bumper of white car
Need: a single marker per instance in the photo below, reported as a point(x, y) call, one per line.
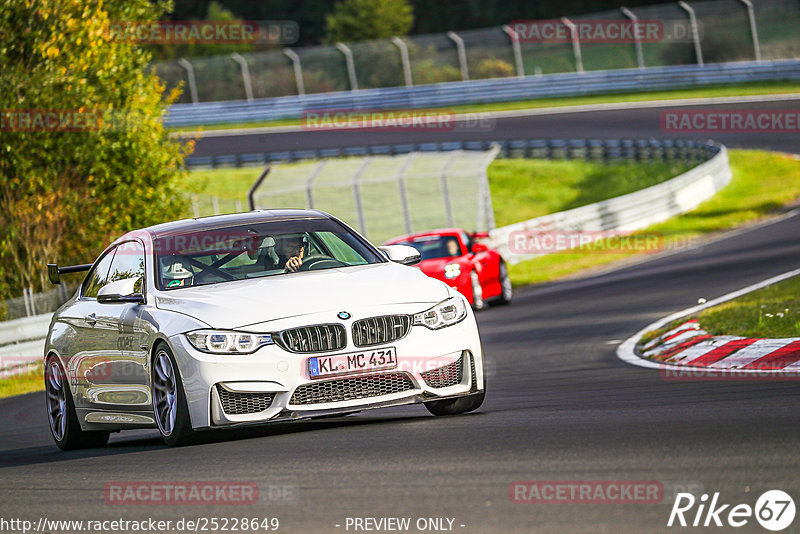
point(274, 384)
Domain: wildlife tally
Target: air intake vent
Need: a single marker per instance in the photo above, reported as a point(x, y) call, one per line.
point(237, 403)
point(318, 338)
point(378, 330)
point(448, 375)
point(344, 389)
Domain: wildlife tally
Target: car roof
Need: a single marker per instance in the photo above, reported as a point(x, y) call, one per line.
point(440, 231)
point(233, 219)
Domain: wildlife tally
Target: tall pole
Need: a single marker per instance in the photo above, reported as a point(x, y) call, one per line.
point(698, 52)
point(298, 70)
point(516, 49)
point(751, 16)
point(401, 45)
point(576, 43)
point(248, 86)
point(462, 54)
point(351, 66)
point(190, 75)
point(637, 41)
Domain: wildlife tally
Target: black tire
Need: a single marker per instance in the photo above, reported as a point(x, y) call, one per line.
point(478, 302)
point(179, 432)
point(459, 405)
point(64, 426)
point(507, 291)
point(456, 406)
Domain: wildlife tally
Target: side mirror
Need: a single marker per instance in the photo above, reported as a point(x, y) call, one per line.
point(403, 254)
point(120, 291)
point(479, 247)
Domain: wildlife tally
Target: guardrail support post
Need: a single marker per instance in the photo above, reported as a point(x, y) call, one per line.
point(512, 35)
point(248, 86)
point(351, 66)
point(401, 185)
point(401, 45)
point(298, 70)
point(251, 193)
point(448, 205)
point(462, 54)
point(189, 68)
point(637, 41)
point(310, 183)
point(751, 17)
point(362, 222)
point(698, 51)
point(576, 43)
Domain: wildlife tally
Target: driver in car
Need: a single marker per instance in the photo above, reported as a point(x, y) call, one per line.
point(290, 250)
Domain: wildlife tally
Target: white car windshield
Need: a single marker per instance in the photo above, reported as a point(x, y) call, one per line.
point(212, 256)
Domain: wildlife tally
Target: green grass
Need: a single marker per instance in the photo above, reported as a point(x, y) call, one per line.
point(24, 383)
point(761, 88)
point(762, 183)
point(771, 312)
point(524, 188)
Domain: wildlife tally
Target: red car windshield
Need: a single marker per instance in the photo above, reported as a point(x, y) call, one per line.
point(435, 246)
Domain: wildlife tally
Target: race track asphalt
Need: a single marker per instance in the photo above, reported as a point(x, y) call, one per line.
point(560, 406)
point(605, 124)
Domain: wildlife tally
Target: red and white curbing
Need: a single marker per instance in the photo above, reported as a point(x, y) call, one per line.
point(690, 345)
point(687, 346)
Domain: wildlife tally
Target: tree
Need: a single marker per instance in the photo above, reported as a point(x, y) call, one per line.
point(83, 153)
point(358, 20)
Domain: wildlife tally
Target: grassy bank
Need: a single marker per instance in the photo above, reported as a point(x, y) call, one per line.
point(761, 88)
point(771, 312)
point(24, 383)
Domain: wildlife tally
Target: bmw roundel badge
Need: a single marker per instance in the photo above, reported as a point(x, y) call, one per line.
point(343, 315)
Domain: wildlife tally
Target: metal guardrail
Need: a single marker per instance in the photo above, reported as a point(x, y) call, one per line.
point(627, 213)
point(588, 149)
point(484, 91)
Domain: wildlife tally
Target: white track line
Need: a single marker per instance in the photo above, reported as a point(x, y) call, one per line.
point(584, 108)
point(626, 351)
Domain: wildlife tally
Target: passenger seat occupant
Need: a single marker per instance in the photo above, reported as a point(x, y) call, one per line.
point(175, 274)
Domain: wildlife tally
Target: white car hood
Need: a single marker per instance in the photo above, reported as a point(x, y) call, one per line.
point(230, 305)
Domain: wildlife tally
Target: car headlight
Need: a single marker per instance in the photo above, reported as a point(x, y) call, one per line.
point(222, 342)
point(446, 313)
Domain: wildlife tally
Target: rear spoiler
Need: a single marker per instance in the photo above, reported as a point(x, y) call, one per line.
point(54, 272)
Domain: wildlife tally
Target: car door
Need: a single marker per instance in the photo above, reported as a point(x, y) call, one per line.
point(93, 340)
point(126, 379)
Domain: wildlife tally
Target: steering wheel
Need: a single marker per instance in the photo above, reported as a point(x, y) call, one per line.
point(320, 261)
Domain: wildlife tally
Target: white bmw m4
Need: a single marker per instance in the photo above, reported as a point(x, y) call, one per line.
point(252, 318)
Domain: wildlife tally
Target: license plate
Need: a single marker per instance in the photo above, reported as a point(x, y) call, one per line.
point(352, 362)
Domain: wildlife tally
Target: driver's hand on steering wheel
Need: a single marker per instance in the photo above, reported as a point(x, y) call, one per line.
point(294, 263)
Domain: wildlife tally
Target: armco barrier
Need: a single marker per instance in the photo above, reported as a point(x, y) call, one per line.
point(482, 91)
point(688, 150)
point(630, 212)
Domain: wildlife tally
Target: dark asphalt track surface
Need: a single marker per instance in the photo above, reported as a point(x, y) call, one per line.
point(560, 406)
point(623, 123)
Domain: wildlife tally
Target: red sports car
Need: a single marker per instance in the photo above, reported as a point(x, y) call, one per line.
point(457, 259)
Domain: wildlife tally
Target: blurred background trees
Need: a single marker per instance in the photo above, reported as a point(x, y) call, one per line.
point(65, 193)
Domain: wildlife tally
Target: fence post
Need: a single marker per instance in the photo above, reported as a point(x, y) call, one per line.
point(462, 54)
point(251, 194)
point(637, 41)
point(237, 205)
point(751, 17)
point(248, 86)
point(698, 52)
point(448, 205)
point(576, 43)
point(362, 223)
point(189, 68)
point(401, 185)
point(298, 70)
point(310, 183)
point(25, 300)
point(401, 45)
point(215, 205)
point(195, 207)
point(351, 66)
point(512, 35)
